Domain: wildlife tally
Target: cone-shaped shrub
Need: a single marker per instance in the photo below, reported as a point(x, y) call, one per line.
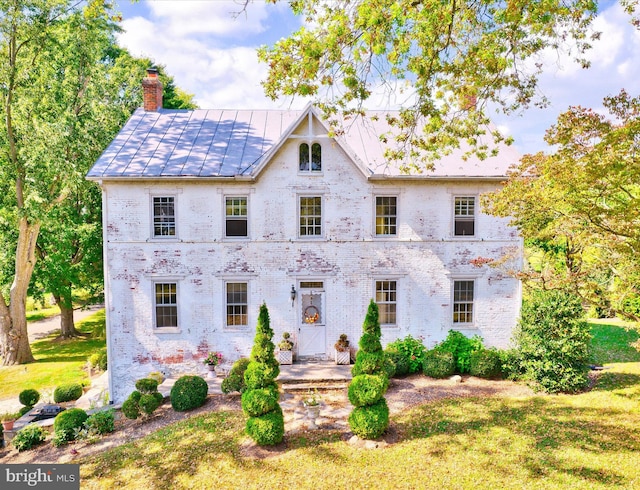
point(370, 418)
point(265, 424)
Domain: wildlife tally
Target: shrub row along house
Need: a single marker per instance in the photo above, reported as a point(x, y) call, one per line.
point(209, 213)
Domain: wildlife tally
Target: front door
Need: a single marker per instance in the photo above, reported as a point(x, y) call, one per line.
point(312, 330)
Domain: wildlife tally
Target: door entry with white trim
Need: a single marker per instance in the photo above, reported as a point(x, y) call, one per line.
point(312, 330)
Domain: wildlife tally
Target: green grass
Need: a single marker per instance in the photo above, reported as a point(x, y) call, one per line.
point(41, 314)
point(591, 440)
point(612, 341)
point(57, 361)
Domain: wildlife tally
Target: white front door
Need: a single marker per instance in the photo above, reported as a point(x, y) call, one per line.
point(312, 330)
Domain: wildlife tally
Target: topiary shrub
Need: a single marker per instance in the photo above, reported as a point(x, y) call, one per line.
point(29, 397)
point(235, 380)
point(156, 375)
point(268, 429)
point(438, 364)
point(67, 392)
point(145, 399)
point(265, 424)
point(189, 392)
point(553, 340)
point(412, 352)
point(101, 423)
point(370, 422)
point(370, 381)
point(149, 402)
point(130, 407)
point(486, 363)
point(66, 423)
point(461, 347)
point(28, 437)
point(367, 389)
point(147, 385)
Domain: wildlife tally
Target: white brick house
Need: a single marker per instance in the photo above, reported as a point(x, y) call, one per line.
point(208, 213)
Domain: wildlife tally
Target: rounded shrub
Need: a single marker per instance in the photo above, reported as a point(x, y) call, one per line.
point(135, 396)
point(149, 402)
point(367, 389)
point(368, 363)
point(400, 362)
point(369, 342)
point(146, 385)
point(438, 364)
point(235, 380)
point(189, 392)
point(461, 347)
point(486, 363)
point(67, 392)
point(130, 408)
point(102, 422)
point(29, 397)
point(28, 437)
point(370, 422)
point(66, 423)
point(268, 429)
point(156, 375)
point(259, 401)
point(410, 353)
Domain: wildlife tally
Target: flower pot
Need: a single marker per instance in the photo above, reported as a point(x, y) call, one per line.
point(211, 367)
point(7, 424)
point(285, 357)
point(343, 357)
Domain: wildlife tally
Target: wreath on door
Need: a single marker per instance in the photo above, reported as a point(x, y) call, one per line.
point(311, 314)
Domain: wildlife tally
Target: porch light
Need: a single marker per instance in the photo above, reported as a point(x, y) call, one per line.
point(292, 293)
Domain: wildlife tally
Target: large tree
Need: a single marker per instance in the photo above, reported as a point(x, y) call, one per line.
point(579, 207)
point(450, 60)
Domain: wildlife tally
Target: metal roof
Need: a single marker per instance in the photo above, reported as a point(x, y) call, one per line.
point(234, 143)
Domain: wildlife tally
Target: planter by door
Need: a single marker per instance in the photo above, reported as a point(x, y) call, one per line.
point(343, 357)
point(285, 357)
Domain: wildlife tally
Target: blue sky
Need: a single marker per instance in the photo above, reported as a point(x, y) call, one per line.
point(210, 51)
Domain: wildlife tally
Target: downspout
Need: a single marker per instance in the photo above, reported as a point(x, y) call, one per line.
point(107, 293)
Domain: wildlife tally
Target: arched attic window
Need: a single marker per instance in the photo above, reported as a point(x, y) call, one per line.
point(313, 155)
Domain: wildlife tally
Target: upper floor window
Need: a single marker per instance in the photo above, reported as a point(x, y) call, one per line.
point(236, 216)
point(464, 216)
point(237, 304)
point(463, 301)
point(166, 304)
point(310, 157)
point(386, 215)
point(386, 300)
point(310, 216)
point(164, 217)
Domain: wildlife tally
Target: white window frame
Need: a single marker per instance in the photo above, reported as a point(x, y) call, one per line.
point(155, 196)
point(375, 216)
point(309, 170)
point(227, 217)
point(394, 302)
point(473, 302)
point(299, 225)
point(473, 218)
point(156, 305)
point(226, 303)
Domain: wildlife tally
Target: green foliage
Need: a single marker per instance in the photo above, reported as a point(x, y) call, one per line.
point(367, 389)
point(553, 340)
point(66, 423)
point(67, 392)
point(461, 347)
point(29, 397)
point(371, 321)
point(438, 364)
point(28, 437)
point(149, 402)
point(235, 380)
point(258, 374)
point(157, 376)
point(268, 429)
point(370, 422)
point(98, 360)
point(189, 392)
point(259, 401)
point(23, 410)
point(264, 323)
point(101, 423)
point(486, 363)
point(368, 363)
point(130, 407)
point(147, 385)
point(389, 367)
point(412, 350)
point(369, 342)
point(400, 361)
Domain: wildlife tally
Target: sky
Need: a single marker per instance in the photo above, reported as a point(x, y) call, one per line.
point(209, 47)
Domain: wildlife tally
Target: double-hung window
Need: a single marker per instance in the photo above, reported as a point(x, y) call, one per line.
point(386, 215)
point(310, 216)
point(236, 216)
point(310, 157)
point(166, 304)
point(464, 216)
point(237, 304)
point(386, 299)
point(164, 216)
point(463, 293)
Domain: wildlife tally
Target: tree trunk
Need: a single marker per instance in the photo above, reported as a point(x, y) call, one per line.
point(13, 327)
point(67, 325)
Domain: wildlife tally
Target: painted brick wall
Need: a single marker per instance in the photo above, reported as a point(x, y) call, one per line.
point(424, 258)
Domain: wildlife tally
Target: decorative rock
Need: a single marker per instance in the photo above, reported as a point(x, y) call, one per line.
point(456, 379)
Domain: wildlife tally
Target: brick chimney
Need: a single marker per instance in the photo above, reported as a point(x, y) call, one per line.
point(152, 91)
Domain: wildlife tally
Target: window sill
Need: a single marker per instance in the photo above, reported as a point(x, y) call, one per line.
point(236, 329)
point(167, 330)
point(464, 326)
